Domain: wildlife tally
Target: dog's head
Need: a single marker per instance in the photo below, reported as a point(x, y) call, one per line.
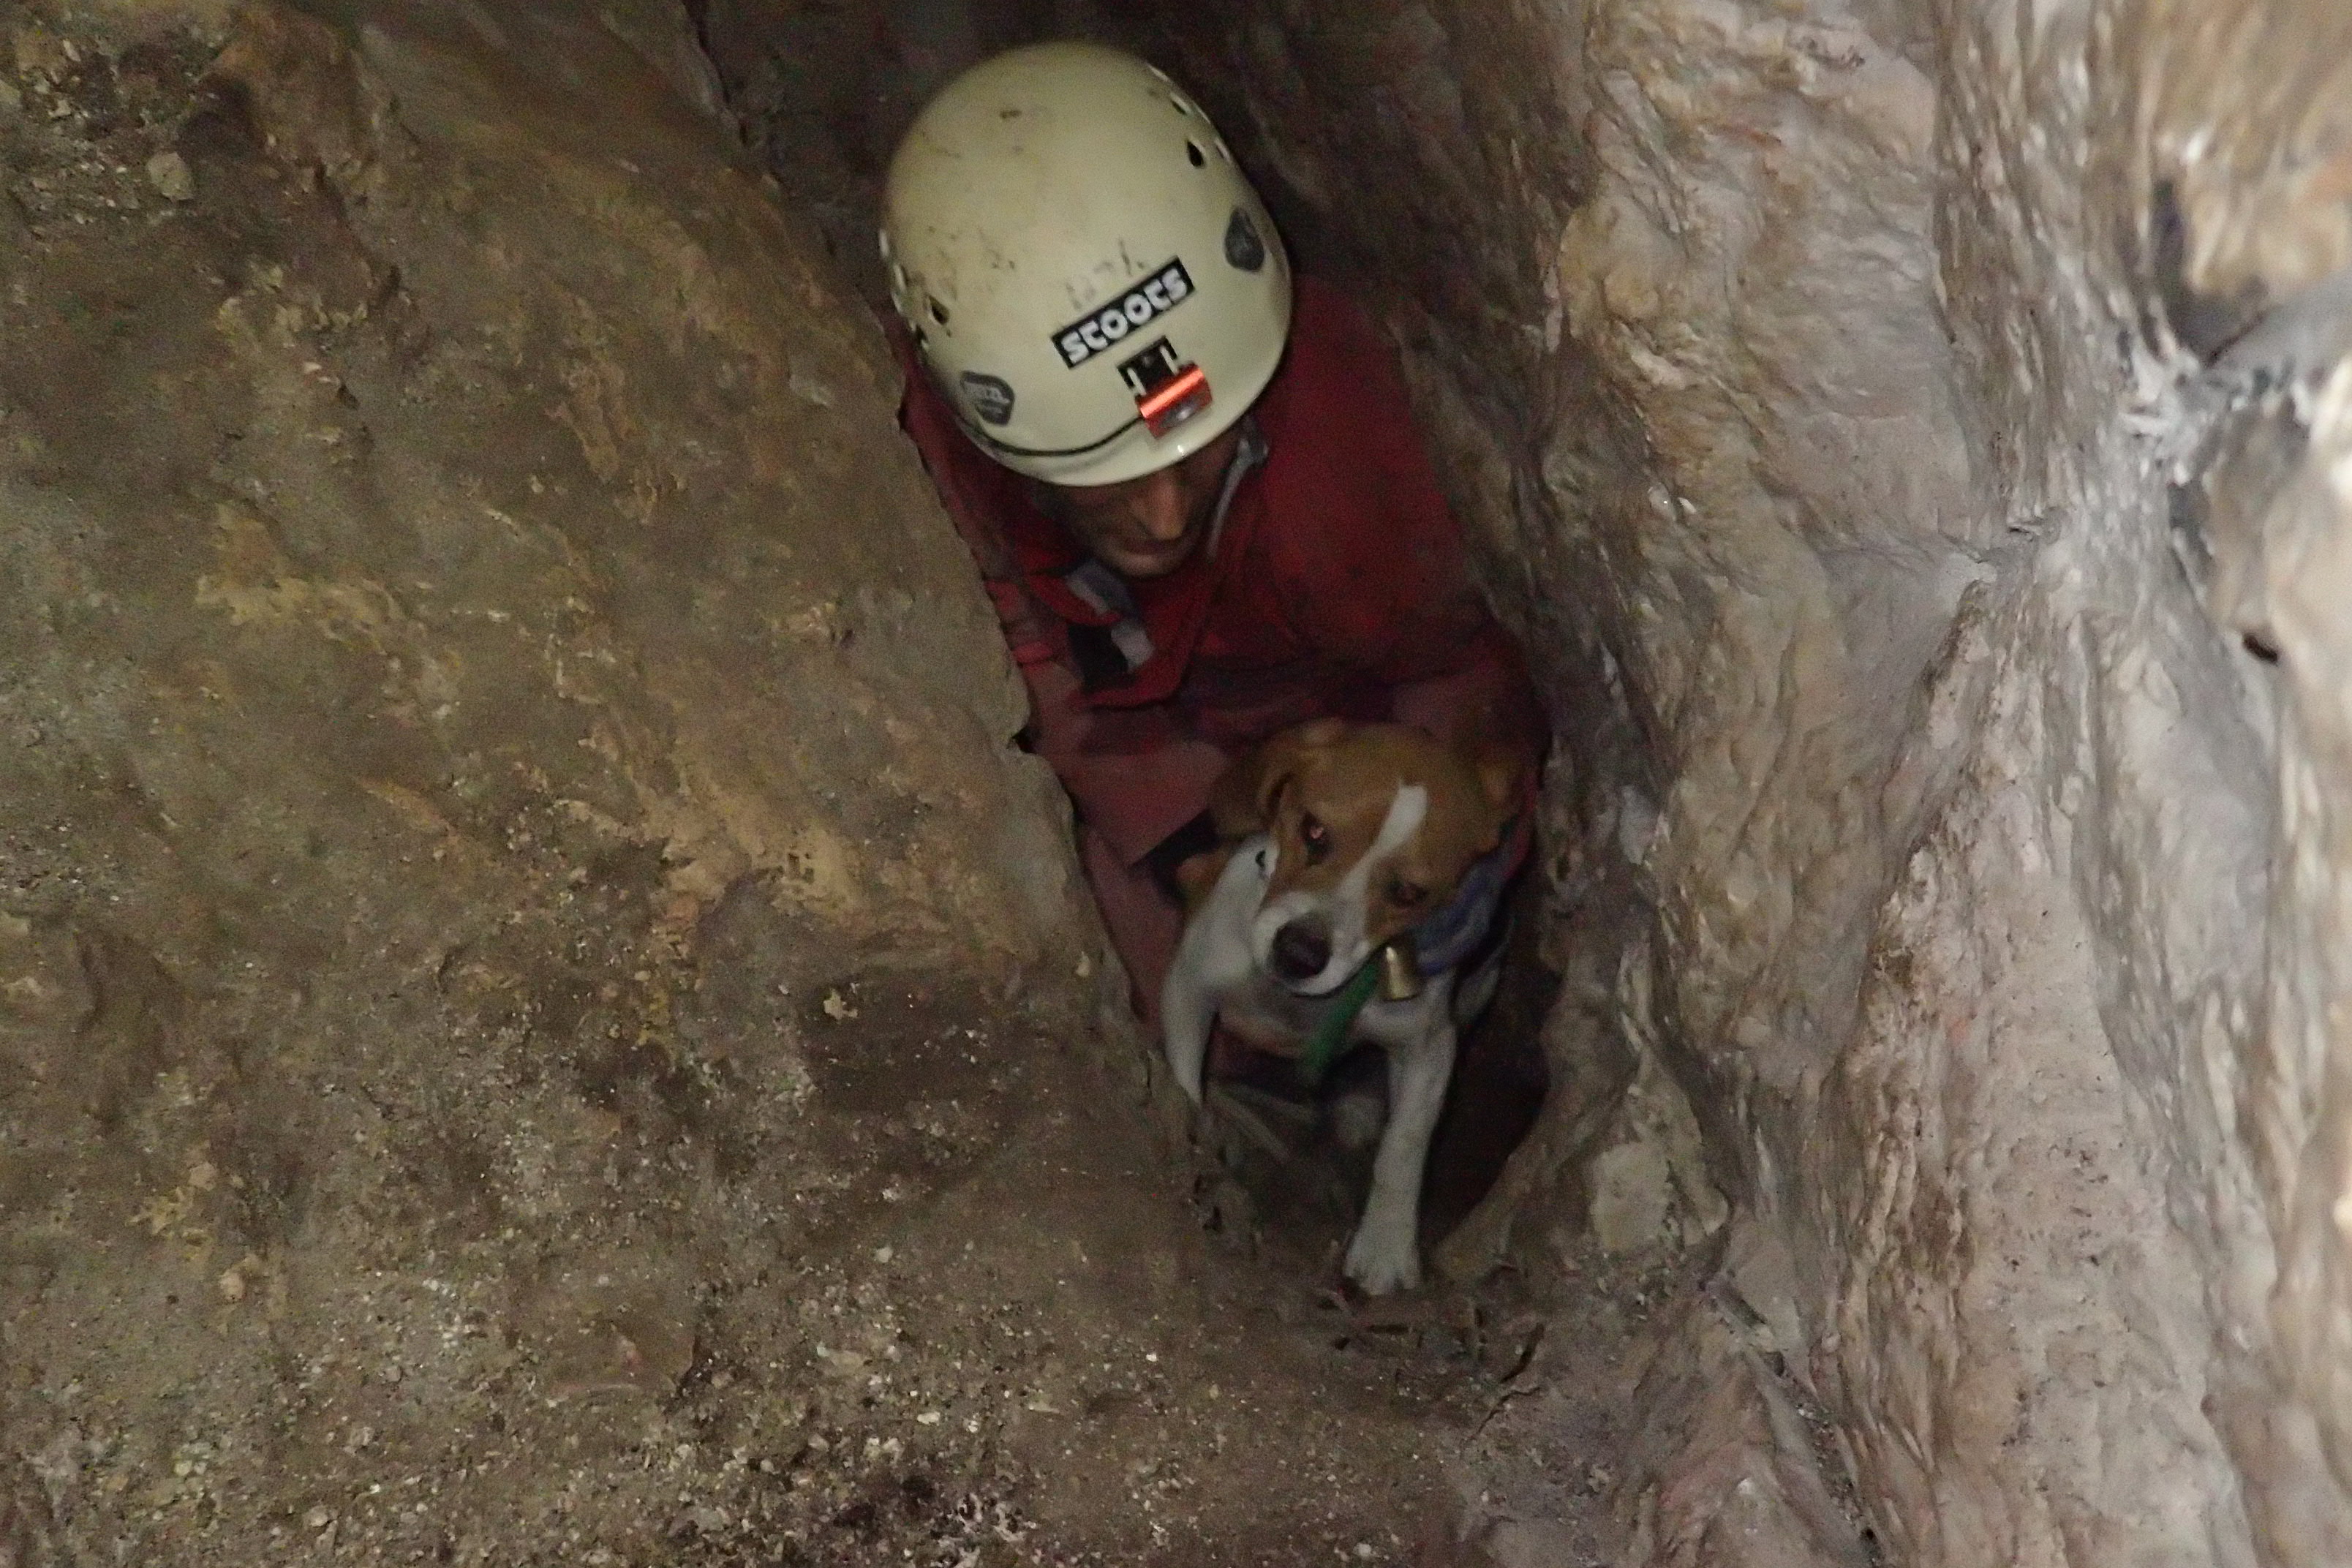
point(1372, 827)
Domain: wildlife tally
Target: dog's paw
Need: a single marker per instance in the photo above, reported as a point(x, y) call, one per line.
point(1380, 1260)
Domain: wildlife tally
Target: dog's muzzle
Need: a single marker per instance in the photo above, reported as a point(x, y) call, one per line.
point(1302, 948)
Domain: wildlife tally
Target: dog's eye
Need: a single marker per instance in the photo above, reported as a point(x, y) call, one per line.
point(1405, 895)
point(1316, 838)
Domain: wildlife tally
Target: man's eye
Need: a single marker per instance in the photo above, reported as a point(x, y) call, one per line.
point(1405, 895)
point(1316, 838)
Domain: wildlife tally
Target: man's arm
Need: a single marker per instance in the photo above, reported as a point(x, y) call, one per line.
point(1488, 701)
point(1374, 556)
point(1135, 775)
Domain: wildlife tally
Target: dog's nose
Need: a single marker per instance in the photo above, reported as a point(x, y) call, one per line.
point(1301, 949)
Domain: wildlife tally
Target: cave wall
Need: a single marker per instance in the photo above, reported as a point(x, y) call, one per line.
point(1827, 388)
point(486, 686)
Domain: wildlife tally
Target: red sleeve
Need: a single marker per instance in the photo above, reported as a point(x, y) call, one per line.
point(1137, 775)
point(1381, 585)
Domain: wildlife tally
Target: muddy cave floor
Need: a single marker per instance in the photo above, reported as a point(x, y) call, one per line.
point(1025, 1338)
point(1011, 1332)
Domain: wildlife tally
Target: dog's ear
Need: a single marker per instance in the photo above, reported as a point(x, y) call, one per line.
point(1242, 801)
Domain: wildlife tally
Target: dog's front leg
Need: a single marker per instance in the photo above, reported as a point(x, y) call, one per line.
point(1213, 958)
point(1188, 1011)
point(1386, 1252)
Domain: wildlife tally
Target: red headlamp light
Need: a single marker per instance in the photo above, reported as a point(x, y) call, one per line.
point(1177, 400)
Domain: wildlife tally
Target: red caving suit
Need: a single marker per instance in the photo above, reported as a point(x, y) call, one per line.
point(1336, 585)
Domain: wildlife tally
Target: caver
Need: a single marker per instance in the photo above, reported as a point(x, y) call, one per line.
point(1191, 480)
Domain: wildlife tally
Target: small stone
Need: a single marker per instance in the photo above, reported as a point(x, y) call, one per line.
point(232, 1286)
point(318, 1519)
point(170, 174)
point(928, 1418)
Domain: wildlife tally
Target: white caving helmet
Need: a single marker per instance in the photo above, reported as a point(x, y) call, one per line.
point(1090, 281)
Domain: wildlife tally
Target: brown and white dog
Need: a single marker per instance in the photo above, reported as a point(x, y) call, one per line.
point(1350, 836)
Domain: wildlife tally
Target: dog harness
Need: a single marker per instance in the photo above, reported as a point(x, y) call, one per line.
point(1443, 942)
point(1447, 937)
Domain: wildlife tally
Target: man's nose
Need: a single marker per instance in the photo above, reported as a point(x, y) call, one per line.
point(1159, 507)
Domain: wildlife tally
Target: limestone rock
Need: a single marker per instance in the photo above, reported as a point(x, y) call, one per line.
point(1817, 379)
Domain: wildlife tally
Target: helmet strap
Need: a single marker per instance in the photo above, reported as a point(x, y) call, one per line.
point(1249, 455)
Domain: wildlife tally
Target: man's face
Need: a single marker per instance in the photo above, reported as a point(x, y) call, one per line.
point(1149, 525)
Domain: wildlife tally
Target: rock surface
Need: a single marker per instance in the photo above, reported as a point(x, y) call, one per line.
point(1820, 379)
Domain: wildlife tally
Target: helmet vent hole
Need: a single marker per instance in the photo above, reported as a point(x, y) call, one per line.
point(1181, 107)
point(938, 312)
point(1193, 150)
